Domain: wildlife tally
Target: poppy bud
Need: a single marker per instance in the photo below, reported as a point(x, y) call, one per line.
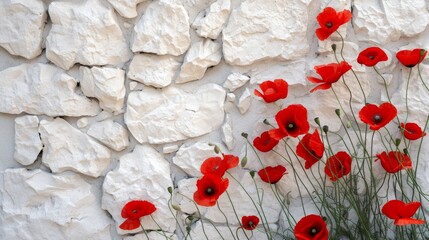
point(244, 161)
point(245, 135)
point(188, 229)
point(348, 124)
point(252, 174)
point(317, 120)
point(170, 190)
point(334, 47)
point(397, 141)
point(216, 149)
point(337, 111)
point(405, 151)
point(175, 207)
point(325, 128)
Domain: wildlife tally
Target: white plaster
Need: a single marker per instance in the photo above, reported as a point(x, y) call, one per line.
point(27, 140)
point(227, 133)
point(244, 101)
point(209, 23)
point(111, 134)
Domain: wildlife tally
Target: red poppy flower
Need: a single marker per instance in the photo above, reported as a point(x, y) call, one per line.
point(371, 56)
point(402, 212)
point(133, 211)
point(272, 174)
point(330, 20)
point(209, 189)
point(265, 143)
point(231, 161)
point(214, 165)
point(272, 91)
point(249, 222)
point(394, 161)
point(411, 58)
point(377, 117)
point(412, 131)
point(292, 121)
point(310, 148)
point(311, 227)
point(338, 166)
point(330, 73)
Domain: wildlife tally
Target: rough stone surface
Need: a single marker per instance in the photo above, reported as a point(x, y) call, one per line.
point(27, 140)
point(170, 148)
point(200, 56)
point(66, 148)
point(22, 23)
point(42, 89)
point(227, 133)
point(197, 232)
point(163, 29)
point(209, 23)
point(189, 158)
point(105, 84)
point(137, 171)
point(40, 205)
point(277, 29)
point(244, 101)
point(127, 8)
point(153, 70)
point(172, 114)
point(111, 134)
point(85, 32)
point(235, 81)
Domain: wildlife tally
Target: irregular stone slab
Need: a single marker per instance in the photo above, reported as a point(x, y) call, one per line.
point(21, 27)
point(110, 133)
point(127, 8)
point(105, 84)
point(190, 158)
point(202, 55)
point(227, 133)
point(153, 70)
point(278, 29)
point(235, 81)
point(36, 204)
point(143, 174)
point(209, 23)
point(172, 114)
point(244, 101)
point(85, 32)
point(163, 29)
point(387, 21)
point(27, 140)
point(66, 148)
point(42, 89)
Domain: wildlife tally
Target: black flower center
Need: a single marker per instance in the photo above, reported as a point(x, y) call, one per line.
point(371, 57)
point(250, 224)
point(376, 118)
point(291, 126)
point(134, 211)
point(313, 231)
point(209, 191)
point(328, 24)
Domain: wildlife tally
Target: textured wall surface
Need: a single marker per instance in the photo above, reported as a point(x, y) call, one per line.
point(105, 101)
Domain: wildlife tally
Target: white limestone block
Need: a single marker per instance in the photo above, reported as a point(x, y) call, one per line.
point(227, 133)
point(189, 158)
point(143, 174)
point(163, 29)
point(209, 23)
point(42, 89)
point(266, 29)
point(244, 101)
point(40, 205)
point(230, 97)
point(82, 122)
point(171, 114)
point(27, 140)
point(200, 56)
point(21, 26)
point(111, 134)
point(105, 84)
point(85, 32)
point(66, 148)
point(127, 8)
point(235, 81)
point(153, 70)
point(170, 148)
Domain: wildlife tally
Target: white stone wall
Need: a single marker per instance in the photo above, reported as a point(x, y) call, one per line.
point(105, 101)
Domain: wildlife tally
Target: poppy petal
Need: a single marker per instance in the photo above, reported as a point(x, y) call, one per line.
point(130, 224)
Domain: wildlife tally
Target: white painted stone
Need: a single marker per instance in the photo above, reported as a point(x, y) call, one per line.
point(143, 174)
point(82, 122)
point(85, 32)
point(189, 158)
point(242, 203)
point(133, 85)
point(66, 148)
point(266, 29)
point(153, 235)
point(230, 97)
point(235, 81)
point(153, 70)
point(27, 140)
point(111, 134)
point(105, 84)
point(172, 114)
point(21, 26)
point(244, 101)
point(42, 89)
point(209, 23)
point(227, 133)
point(127, 8)
point(40, 205)
point(170, 148)
point(163, 29)
point(200, 56)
